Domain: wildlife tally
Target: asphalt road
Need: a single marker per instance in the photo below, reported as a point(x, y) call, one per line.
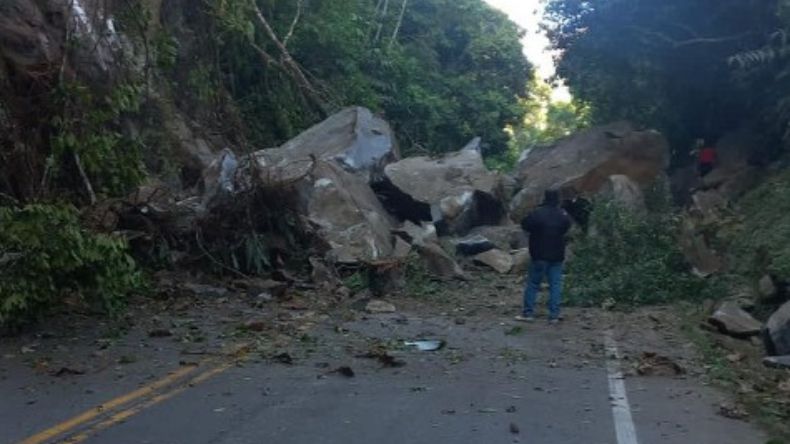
point(492, 383)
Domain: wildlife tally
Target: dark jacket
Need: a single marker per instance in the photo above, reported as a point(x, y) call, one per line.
point(547, 226)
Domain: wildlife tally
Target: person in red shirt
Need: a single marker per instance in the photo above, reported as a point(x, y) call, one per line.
point(706, 159)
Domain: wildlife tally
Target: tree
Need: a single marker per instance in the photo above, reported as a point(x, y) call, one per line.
point(441, 71)
point(662, 63)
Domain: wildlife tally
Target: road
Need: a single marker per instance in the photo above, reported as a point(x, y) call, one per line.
point(496, 381)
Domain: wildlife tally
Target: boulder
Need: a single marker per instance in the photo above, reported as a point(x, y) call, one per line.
point(346, 213)
point(497, 259)
point(708, 206)
point(456, 192)
point(777, 332)
point(417, 234)
point(473, 245)
point(353, 138)
point(505, 237)
point(780, 362)
point(438, 262)
point(401, 249)
point(766, 288)
point(730, 319)
point(582, 164)
point(702, 258)
point(624, 191)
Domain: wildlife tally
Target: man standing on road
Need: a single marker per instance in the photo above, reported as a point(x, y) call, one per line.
point(546, 227)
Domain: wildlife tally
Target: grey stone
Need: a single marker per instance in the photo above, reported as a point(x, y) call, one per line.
point(378, 306)
point(439, 263)
point(730, 319)
point(496, 259)
point(777, 331)
point(473, 245)
point(781, 362)
point(456, 192)
point(766, 287)
point(582, 164)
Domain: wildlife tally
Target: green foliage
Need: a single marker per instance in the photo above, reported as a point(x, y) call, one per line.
point(419, 282)
point(454, 71)
point(88, 126)
point(546, 120)
point(45, 256)
point(761, 243)
point(662, 63)
point(629, 258)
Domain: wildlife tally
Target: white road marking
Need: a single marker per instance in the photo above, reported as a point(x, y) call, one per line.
point(621, 410)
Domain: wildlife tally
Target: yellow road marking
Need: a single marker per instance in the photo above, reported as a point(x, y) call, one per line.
point(123, 415)
point(88, 415)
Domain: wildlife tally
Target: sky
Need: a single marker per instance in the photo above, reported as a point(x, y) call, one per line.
point(528, 14)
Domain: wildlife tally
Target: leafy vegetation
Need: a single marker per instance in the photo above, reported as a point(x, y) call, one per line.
point(46, 257)
point(443, 71)
point(545, 121)
point(673, 64)
point(760, 241)
point(629, 258)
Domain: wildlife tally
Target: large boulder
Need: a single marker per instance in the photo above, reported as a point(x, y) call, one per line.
point(438, 263)
point(703, 259)
point(346, 213)
point(353, 138)
point(457, 192)
point(734, 321)
point(621, 189)
point(777, 332)
point(581, 165)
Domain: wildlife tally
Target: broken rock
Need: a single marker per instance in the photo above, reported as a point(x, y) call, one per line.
point(439, 263)
point(777, 361)
point(497, 259)
point(379, 306)
point(582, 164)
point(457, 192)
point(353, 138)
point(730, 319)
point(473, 245)
point(777, 332)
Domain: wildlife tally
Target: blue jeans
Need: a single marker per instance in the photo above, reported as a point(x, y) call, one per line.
point(537, 270)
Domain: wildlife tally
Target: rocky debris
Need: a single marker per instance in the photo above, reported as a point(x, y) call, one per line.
point(621, 189)
point(402, 249)
point(777, 332)
point(520, 261)
point(265, 288)
point(781, 362)
point(160, 333)
point(417, 234)
point(353, 138)
point(439, 263)
point(456, 192)
point(324, 275)
point(203, 290)
point(653, 364)
point(346, 214)
point(730, 319)
point(582, 164)
point(733, 411)
point(695, 248)
point(766, 288)
point(496, 259)
point(505, 237)
point(380, 354)
point(377, 306)
point(708, 206)
point(473, 245)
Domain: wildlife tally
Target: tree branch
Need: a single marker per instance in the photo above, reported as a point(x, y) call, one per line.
point(398, 25)
point(299, 6)
point(695, 41)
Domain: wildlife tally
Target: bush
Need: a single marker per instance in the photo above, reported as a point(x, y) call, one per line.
point(46, 256)
point(629, 258)
point(760, 244)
